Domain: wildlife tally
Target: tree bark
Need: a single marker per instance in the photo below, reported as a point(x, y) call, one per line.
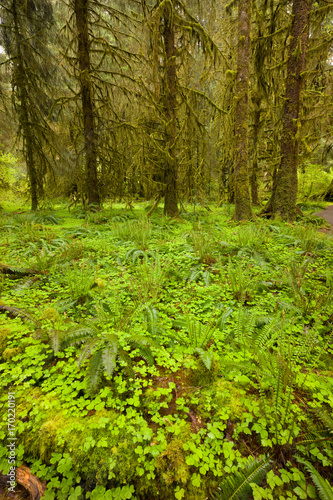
point(170, 103)
point(20, 87)
point(243, 210)
point(284, 196)
point(255, 164)
point(81, 9)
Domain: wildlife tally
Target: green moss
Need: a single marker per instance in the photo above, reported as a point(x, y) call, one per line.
point(9, 353)
point(47, 436)
point(172, 464)
point(201, 376)
point(4, 333)
point(101, 451)
point(51, 314)
point(227, 395)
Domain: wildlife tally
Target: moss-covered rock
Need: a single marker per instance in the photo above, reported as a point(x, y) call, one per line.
point(9, 353)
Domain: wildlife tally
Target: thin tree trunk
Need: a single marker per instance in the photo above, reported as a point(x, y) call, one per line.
point(243, 208)
point(284, 196)
point(170, 102)
point(81, 9)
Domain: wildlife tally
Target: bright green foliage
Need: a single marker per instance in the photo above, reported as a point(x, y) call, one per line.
point(105, 346)
point(237, 486)
point(179, 379)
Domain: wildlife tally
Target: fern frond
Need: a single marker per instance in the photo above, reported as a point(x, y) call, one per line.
point(326, 419)
point(86, 351)
point(15, 312)
point(138, 341)
point(95, 369)
point(245, 325)
point(318, 436)
point(55, 339)
point(147, 355)
point(122, 356)
point(109, 358)
point(16, 272)
point(222, 318)
point(78, 335)
point(324, 488)
point(152, 324)
point(268, 333)
point(237, 486)
point(206, 357)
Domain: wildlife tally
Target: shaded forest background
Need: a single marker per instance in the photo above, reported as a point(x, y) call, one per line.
point(181, 101)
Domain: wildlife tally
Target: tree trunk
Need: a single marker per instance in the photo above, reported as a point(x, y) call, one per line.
point(170, 102)
point(284, 196)
point(255, 165)
point(81, 9)
point(19, 84)
point(243, 208)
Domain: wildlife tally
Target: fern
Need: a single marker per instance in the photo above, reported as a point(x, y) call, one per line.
point(238, 485)
point(102, 345)
point(15, 272)
point(324, 488)
point(199, 335)
point(137, 254)
point(207, 357)
point(327, 420)
point(15, 312)
point(153, 326)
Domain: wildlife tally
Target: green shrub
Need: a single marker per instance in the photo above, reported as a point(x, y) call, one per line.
point(313, 181)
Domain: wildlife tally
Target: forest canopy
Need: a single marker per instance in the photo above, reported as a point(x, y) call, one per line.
point(181, 101)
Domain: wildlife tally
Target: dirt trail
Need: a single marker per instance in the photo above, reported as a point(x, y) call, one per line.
point(327, 214)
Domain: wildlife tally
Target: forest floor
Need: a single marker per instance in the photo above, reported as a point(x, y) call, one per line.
point(327, 214)
point(161, 359)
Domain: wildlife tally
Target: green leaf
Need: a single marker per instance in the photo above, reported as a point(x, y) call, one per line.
point(237, 486)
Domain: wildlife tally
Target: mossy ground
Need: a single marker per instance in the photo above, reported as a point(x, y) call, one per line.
point(176, 428)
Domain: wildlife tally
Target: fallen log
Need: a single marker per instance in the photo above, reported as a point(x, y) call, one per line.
point(30, 482)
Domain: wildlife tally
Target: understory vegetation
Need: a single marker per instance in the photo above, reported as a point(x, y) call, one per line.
point(158, 358)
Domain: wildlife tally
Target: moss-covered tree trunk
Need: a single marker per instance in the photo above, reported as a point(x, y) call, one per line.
point(255, 163)
point(284, 195)
point(20, 89)
point(81, 9)
point(28, 147)
point(243, 208)
point(170, 103)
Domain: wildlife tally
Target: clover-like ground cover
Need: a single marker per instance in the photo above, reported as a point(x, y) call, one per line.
point(167, 358)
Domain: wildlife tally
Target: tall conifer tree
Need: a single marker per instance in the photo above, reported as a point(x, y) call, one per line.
point(243, 208)
point(25, 31)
